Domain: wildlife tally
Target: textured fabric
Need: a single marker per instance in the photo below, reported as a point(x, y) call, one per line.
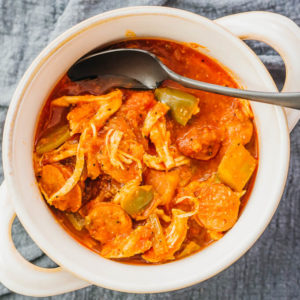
point(271, 268)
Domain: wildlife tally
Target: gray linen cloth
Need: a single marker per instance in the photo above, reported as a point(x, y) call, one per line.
point(271, 268)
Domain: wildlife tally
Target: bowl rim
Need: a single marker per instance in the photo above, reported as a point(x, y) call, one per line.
point(31, 73)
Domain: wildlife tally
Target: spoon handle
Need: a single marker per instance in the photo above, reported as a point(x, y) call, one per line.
point(291, 100)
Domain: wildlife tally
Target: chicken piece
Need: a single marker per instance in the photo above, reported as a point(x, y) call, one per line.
point(153, 115)
point(162, 215)
point(112, 142)
point(202, 143)
point(53, 177)
point(218, 205)
point(138, 241)
point(160, 246)
point(156, 163)
point(136, 107)
point(167, 156)
point(68, 149)
point(126, 152)
point(93, 113)
point(191, 202)
point(105, 221)
point(160, 137)
point(174, 235)
point(133, 111)
point(80, 116)
point(78, 169)
point(176, 232)
point(130, 172)
point(66, 101)
point(164, 183)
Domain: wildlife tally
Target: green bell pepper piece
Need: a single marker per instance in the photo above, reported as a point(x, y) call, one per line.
point(53, 138)
point(182, 105)
point(138, 199)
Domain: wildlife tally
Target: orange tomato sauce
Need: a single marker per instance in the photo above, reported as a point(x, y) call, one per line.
point(217, 112)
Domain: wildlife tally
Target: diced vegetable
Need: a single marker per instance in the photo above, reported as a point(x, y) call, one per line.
point(182, 105)
point(53, 138)
point(190, 248)
point(214, 235)
point(138, 199)
point(236, 167)
point(76, 220)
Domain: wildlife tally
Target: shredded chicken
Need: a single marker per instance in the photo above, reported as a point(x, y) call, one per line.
point(161, 139)
point(161, 214)
point(155, 126)
point(72, 181)
point(112, 142)
point(153, 115)
point(138, 241)
point(195, 202)
point(166, 243)
point(66, 101)
point(68, 149)
point(91, 111)
point(116, 156)
point(160, 246)
point(154, 162)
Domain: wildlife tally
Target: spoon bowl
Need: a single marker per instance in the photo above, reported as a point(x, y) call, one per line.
point(141, 69)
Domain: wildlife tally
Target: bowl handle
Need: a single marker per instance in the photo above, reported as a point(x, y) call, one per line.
point(18, 274)
point(279, 32)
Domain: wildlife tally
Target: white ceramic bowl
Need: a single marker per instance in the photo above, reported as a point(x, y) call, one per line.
point(20, 194)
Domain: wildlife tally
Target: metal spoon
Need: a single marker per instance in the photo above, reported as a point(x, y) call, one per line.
point(140, 69)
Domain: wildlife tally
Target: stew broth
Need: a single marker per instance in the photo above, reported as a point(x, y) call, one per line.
point(218, 123)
